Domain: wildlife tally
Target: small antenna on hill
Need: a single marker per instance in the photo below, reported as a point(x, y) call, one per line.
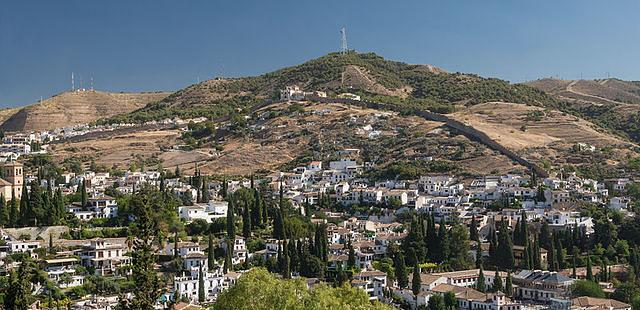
point(73, 83)
point(343, 41)
point(91, 83)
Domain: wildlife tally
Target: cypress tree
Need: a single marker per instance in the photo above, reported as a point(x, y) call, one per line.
point(552, 261)
point(589, 269)
point(13, 210)
point(205, 191)
point(497, 282)
point(37, 205)
point(574, 262)
point(175, 244)
point(228, 260)
point(537, 258)
point(280, 258)
point(545, 236)
point(59, 205)
point(493, 247)
point(256, 210)
point(25, 212)
point(231, 222)
point(559, 254)
point(478, 253)
point(445, 246)
point(603, 270)
point(351, 262)
point(210, 253)
point(84, 197)
point(286, 270)
point(401, 271)
point(416, 281)
point(201, 293)
point(523, 227)
point(473, 229)
point(508, 288)
point(517, 239)
point(505, 248)
point(246, 222)
point(4, 212)
point(480, 284)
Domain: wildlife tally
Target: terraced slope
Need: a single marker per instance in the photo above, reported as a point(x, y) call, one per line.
point(79, 107)
point(610, 103)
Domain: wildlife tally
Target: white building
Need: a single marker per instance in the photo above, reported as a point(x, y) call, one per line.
point(205, 211)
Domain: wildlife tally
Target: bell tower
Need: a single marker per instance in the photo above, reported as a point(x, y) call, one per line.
point(14, 174)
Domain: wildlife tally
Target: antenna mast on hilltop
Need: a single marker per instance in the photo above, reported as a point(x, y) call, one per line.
point(73, 83)
point(92, 83)
point(343, 41)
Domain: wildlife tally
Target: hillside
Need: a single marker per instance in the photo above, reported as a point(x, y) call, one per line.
point(283, 135)
point(548, 136)
point(71, 108)
point(369, 75)
point(610, 103)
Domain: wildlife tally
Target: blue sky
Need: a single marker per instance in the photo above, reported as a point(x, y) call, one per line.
point(167, 45)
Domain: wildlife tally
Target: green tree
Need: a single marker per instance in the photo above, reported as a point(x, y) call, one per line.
point(587, 288)
point(416, 281)
point(450, 300)
point(201, 292)
point(508, 288)
point(626, 292)
point(148, 284)
point(504, 251)
point(351, 261)
point(18, 290)
point(459, 248)
point(205, 196)
point(13, 210)
point(260, 290)
point(246, 222)
point(589, 269)
point(497, 283)
point(473, 228)
point(231, 222)
point(210, 253)
point(480, 283)
point(4, 211)
point(436, 302)
point(401, 270)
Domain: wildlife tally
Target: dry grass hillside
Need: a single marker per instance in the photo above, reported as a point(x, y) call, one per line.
point(71, 108)
point(278, 135)
point(610, 103)
point(6, 113)
point(545, 134)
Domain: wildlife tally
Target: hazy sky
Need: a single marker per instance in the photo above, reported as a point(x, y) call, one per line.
point(166, 45)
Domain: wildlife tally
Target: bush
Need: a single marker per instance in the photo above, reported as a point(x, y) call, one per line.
point(587, 288)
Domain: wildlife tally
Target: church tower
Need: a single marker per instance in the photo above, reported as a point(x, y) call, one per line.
point(13, 173)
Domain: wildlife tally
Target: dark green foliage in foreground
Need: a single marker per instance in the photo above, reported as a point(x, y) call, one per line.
point(258, 289)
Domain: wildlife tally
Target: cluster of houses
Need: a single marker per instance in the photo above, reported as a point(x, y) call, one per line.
point(343, 180)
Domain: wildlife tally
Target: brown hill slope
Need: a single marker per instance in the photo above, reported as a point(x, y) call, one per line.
point(284, 135)
point(79, 107)
point(547, 136)
point(610, 103)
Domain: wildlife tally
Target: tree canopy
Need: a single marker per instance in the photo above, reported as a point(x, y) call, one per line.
point(258, 289)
